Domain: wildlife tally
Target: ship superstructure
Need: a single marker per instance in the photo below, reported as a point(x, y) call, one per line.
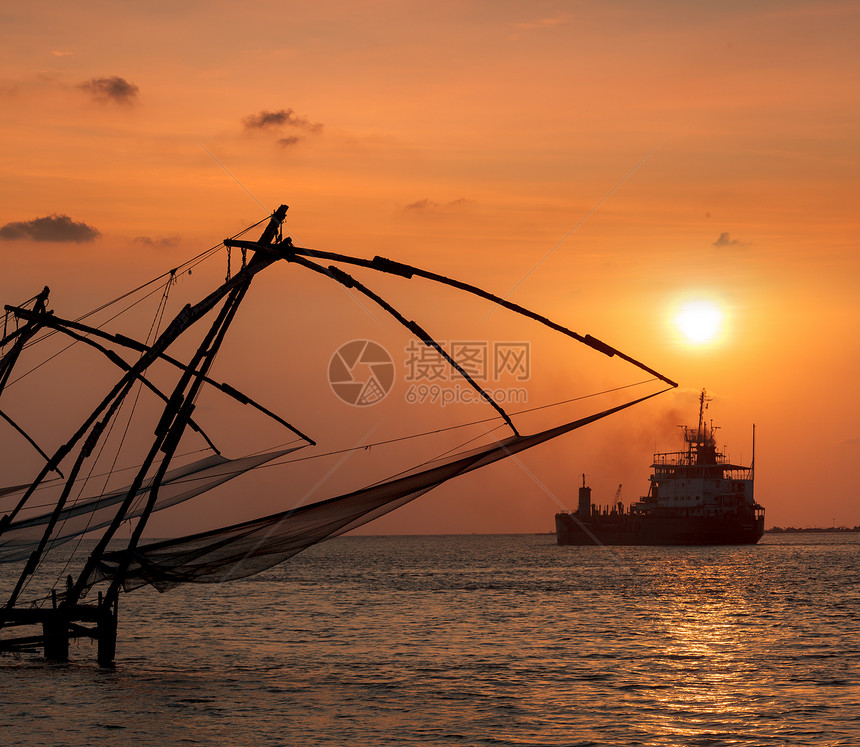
point(696, 497)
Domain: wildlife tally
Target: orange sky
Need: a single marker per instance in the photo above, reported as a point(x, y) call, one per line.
point(470, 138)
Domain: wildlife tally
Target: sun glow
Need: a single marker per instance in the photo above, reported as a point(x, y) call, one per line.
point(699, 321)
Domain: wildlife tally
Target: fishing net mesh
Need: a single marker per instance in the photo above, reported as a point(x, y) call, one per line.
point(95, 512)
point(247, 548)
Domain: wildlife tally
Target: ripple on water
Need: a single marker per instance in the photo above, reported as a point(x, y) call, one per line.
point(474, 640)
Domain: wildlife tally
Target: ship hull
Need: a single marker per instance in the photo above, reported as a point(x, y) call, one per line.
point(658, 530)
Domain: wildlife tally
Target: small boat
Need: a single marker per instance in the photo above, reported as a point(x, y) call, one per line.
point(696, 497)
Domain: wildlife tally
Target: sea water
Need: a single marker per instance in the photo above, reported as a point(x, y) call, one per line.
point(474, 640)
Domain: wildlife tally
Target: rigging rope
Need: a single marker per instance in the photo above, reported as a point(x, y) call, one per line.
point(188, 265)
point(153, 330)
point(451, 427)
point(72, 344)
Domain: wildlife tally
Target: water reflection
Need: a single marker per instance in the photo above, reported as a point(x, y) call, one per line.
point(504, 640)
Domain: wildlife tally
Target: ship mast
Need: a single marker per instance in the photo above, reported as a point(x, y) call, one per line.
point(752, 463)
point(700, 435)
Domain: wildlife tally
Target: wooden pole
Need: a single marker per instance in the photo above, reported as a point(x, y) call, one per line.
point(55, 633)
point(106, 625)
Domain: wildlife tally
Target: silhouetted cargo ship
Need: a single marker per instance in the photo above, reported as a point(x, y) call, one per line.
point(696, 497)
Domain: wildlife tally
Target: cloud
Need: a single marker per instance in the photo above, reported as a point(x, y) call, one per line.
point(286, 142)
point(428, 204)
point(162, 241)
point(114, 89)
point(266, 120)
point(59, 53)
point(50, 228)
point(725, 240)
point(422, 204)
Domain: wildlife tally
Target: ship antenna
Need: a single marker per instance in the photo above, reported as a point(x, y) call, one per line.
point(752, 463)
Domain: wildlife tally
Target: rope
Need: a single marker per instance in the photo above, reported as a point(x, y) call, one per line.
point(389, 441)
point(386, 442)
point(153, 329)
point(186, 266)
point(171, 276)
point(72, 344)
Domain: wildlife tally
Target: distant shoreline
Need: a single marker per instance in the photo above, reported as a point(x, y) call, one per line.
point(795, 530)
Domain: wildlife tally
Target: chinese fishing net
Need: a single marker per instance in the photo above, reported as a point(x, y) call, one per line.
point(247, 548)
point(21, 537)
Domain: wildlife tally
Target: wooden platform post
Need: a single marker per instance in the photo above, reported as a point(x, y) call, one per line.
point(106, 625)
point(55, 632)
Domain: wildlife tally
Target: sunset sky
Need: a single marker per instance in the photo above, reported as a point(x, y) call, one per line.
point(603, 163)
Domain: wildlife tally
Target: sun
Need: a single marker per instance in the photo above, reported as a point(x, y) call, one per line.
point(699, 321)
